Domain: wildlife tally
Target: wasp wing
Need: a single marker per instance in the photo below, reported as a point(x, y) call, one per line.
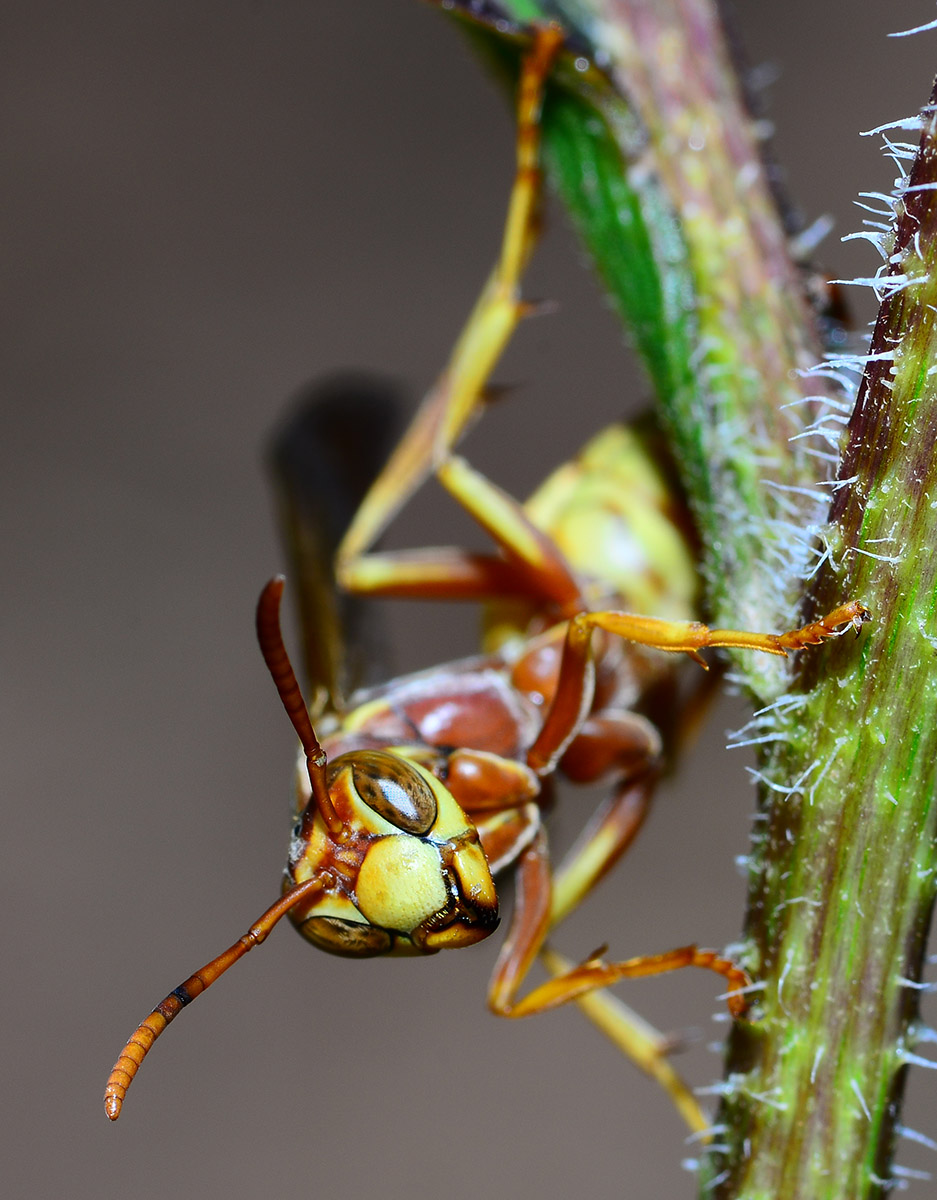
point(324, 457)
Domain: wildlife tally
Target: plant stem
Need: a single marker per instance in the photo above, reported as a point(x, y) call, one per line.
point(659, 164)
point(656, 157)
point(843, 871)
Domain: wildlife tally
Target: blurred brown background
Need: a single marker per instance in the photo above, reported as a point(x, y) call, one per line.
point(206, 205)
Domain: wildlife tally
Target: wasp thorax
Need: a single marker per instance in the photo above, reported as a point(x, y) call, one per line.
point(393, 788)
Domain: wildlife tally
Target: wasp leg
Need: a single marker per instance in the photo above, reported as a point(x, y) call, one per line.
point(531, 923)
point(689, 637)
point(638, 1040)
point(507, 834)
point(531, 567)
point(597, 973)
point(611, 830)
point(631, 745)
point(541, 906)
point(525, 546)
point(146, 1033)
point(529, 929)
point(460, 391)
point(442, 573)
point(677, 637)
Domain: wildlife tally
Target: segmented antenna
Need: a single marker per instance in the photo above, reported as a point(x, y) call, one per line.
point(278, 663)
point(143, 1037)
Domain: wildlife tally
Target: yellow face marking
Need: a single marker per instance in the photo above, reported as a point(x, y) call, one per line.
point(451, 821)
point(400, 883)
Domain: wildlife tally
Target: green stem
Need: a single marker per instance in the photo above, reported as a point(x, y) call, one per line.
point(657, 160)
point(843, 873)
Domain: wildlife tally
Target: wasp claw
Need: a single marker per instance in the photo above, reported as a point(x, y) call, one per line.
point(595, 958)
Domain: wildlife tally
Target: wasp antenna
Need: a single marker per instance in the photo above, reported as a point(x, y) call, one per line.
point(143, 1037)
point(278, 663)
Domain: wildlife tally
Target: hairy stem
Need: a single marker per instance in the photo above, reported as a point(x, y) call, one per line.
point(655, 155)
point(843, 872)
point(659, 164)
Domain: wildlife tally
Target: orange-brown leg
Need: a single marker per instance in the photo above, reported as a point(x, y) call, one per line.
point(143, 1037)
point(530, 924)
point(639, 1041)
point(678, 637)
point(438, 573)
point(597, 973)
point(530, 566)
point(536, 914)
point(517, 834)
point(540, 904)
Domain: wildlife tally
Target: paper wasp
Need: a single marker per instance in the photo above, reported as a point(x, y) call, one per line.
point(412, 796)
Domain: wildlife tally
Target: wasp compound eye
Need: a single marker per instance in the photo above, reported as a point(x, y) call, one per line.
point(395, 790)
point(351, 939)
